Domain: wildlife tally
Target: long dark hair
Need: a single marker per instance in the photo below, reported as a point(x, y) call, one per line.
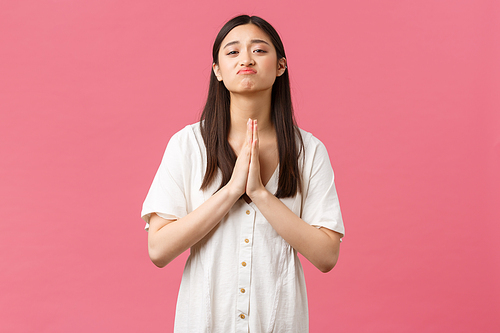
point(215, 119)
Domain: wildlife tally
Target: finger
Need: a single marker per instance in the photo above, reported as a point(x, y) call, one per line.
point(246, 150)
point(254, 182)
point(249, 131)
point(255, 131)
point(254, 159)
point(255, 145)
point(255, 141)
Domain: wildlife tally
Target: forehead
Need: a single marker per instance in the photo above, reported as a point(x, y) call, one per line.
point(245, 33)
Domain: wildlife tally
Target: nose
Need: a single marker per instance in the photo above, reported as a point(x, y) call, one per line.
point(247, 61)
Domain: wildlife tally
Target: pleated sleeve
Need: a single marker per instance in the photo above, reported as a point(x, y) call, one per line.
point(321, 207)
point(167, 195)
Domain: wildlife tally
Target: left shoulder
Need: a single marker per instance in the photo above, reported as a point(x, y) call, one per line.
point(310, 141)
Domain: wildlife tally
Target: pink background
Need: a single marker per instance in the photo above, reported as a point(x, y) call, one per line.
point(405, 95)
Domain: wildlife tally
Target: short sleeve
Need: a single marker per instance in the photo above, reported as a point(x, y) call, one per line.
point(321, 207)
point(166, 196)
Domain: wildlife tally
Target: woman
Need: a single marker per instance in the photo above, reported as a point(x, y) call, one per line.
point(245, 189)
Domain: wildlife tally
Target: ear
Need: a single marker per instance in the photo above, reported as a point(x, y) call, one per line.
point(281, 67)
point(216, 70)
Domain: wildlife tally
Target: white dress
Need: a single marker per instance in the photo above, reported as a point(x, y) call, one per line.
point(242, 276)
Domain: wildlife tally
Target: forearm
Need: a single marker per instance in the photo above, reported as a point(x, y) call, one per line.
point(167, 240)
point(316, 245)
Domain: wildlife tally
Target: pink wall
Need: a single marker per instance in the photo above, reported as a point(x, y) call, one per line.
point(405, 95)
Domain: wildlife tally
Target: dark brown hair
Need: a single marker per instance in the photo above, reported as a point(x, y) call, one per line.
point(215, 119)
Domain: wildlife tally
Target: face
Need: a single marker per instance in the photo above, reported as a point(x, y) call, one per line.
point(248, 60)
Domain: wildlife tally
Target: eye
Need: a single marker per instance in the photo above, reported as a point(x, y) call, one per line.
point(232, 52)
point(260, 51)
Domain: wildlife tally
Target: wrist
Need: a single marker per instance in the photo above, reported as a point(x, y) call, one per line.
point(260, 195)
point(231, 191)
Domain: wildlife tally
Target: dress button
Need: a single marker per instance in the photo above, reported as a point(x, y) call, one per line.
point(248, 212)
point(242, 290)
point(243, 264)
point(242, 316)
point(247, 240)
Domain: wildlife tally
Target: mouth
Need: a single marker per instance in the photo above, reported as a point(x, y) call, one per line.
point(247, 70)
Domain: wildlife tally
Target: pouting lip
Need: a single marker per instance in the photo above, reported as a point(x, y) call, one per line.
point(246, 70)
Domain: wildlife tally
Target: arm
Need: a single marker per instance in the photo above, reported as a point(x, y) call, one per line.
point(169, 238)
point(319, 246)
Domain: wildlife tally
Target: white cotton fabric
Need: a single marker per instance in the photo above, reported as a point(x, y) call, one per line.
point(242, 276)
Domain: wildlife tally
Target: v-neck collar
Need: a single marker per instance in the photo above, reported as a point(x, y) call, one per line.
point(272, 181)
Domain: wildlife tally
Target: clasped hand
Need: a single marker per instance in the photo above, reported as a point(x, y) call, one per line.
point(246, 173)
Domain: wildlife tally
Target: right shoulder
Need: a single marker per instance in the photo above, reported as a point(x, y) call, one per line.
point(189, 132)
point(186, 142)
point(189, 135)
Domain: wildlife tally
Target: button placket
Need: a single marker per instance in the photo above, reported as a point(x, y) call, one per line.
point(245, 263)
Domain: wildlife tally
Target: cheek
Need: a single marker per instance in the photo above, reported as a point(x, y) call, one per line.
point(225, 70)
point(227, 77)
point(271, 65)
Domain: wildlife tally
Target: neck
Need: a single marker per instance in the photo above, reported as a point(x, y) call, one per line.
point(253, 106)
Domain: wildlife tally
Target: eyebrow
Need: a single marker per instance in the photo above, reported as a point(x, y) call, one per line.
point(253, 41)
